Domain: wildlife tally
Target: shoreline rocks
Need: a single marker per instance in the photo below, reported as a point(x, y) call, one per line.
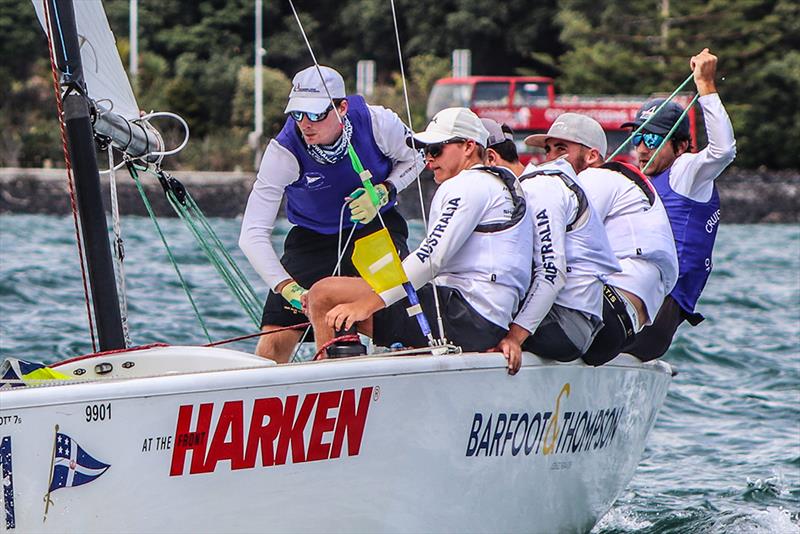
point(747, 195)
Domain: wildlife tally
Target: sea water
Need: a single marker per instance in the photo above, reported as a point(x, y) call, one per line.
point(724, 455)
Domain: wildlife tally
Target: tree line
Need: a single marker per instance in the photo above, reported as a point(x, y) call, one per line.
point(195, 59)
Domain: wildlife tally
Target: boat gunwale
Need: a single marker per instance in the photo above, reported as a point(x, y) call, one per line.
point(319, 372)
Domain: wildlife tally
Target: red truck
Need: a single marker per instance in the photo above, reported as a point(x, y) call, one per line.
point(529, 105)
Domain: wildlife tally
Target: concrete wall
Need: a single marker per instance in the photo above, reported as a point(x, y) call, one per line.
point(747, 196)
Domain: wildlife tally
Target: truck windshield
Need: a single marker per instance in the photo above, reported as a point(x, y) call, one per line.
point(491, 94)
point(448, 95)
point(531, 94)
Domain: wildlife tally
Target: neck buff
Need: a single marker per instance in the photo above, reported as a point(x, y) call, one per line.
point(327, 154)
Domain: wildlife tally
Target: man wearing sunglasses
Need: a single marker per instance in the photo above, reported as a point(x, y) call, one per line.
point(308, 164)
point(477, 249)
point(685, 182)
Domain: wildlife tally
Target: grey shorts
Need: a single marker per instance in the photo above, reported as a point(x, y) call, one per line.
point(564, 334)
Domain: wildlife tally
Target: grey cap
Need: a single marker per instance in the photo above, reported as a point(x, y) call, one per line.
point(496, 133)
point(576, 128)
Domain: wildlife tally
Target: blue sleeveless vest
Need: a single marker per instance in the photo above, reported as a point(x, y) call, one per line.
point(315, 199)
point(694, 226)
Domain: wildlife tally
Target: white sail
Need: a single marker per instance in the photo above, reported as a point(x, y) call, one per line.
point(105, 77)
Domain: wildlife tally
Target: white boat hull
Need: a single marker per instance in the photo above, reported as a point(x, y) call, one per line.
point(425, 443)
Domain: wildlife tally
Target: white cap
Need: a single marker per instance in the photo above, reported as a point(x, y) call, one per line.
point(576, 128)
point(496, 133)
point(451, 123)
point(308, 92)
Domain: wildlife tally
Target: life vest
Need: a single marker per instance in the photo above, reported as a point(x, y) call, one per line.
point(510, 181)
point(583, 204)
point(634, 175)
point(315, 199)
point(694, 226)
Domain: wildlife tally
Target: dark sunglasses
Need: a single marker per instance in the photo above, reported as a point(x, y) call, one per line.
point(435, 150)
point(651, 140)
point(313, 117)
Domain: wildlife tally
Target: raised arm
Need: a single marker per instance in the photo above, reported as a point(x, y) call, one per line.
point(693, 175)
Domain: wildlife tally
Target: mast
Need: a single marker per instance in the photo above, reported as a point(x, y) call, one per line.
point(81, 148)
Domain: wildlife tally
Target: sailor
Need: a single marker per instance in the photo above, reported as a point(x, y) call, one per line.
point(572, 257)
point(637, 227)
point(477, 250)
point(685, 182)
point(501, 150)
point(308, 164)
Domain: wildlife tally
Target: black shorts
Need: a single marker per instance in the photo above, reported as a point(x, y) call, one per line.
point(563, 335)
point(309, 256)
point(654, 340)
point(617, 331)
point(463, 326)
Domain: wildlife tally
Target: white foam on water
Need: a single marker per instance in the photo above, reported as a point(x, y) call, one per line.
point(621, 518)
point(774, 519)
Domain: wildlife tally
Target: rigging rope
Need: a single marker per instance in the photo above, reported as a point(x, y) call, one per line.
point(336, 270)
point(217, 254)
point(135, 175)
point(440, 323)
point(652, 116)
point(119, 248)
point(68, 164)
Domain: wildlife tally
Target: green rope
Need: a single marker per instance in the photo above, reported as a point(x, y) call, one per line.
point(216, 252)
point(234, 279)
point(229, 259)
point(645, 123)
point(135, 176)
point(669, 134)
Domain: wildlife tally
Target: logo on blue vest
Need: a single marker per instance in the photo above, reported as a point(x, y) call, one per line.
point(314, 180)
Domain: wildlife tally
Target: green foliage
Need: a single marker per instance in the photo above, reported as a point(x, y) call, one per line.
point(195, 59)
point(275, 90)
point(769, 138)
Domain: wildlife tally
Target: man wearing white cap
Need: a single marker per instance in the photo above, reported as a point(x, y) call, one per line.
point(477, 250)
point(572, 256)
point(637, 226)
point(308, 164)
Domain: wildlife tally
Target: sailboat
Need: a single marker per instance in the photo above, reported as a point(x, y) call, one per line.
point(207, 439)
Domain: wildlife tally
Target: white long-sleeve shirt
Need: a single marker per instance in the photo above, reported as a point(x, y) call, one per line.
point(279, 168)
point(693, 174)
point(639, 233)
point(491, 270)
point(569, 267)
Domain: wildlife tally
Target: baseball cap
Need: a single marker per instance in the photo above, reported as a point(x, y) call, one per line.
point(308, 92)
point(663, 122)
point(576, 128)
point(450, 123)
point(496, 133)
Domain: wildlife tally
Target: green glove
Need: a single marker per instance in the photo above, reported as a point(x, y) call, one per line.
point(292, 293)
point(362, 210)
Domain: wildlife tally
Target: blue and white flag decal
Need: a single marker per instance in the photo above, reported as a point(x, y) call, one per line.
point(8, 481)
point(73, 466)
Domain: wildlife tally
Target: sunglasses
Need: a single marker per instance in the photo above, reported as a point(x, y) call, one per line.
point(435, 150)
point(651, 140)
point(313, 117)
